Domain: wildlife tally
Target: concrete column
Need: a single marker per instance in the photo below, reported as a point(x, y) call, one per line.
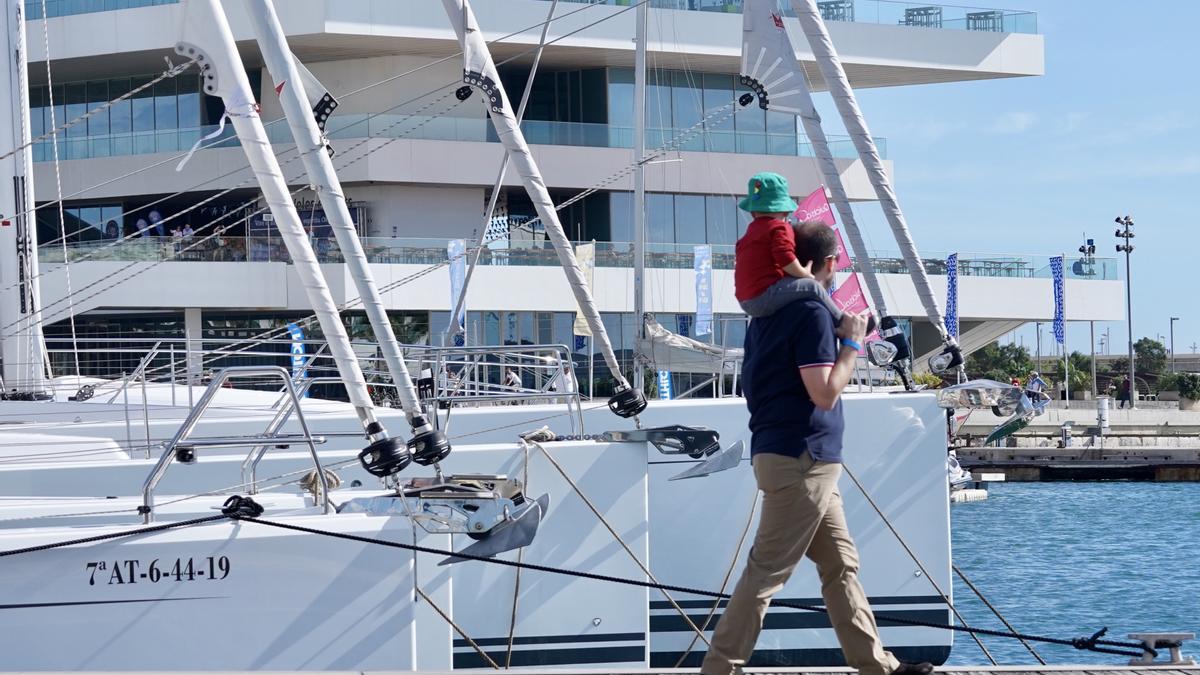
point(193, 333)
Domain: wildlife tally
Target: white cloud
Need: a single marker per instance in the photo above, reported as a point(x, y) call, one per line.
point(1013, 123)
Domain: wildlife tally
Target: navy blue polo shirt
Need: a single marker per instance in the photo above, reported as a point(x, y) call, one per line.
point(783, 418)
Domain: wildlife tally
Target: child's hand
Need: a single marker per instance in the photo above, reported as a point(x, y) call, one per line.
point(799, 271)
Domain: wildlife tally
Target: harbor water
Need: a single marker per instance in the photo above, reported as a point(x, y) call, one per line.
point(1066, 559)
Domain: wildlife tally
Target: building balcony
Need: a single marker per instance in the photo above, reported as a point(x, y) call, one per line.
point(427, 251)
point(537, 132)
point(913, 14)
point(888, 12)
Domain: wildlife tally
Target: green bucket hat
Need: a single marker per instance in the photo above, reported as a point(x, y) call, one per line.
point(767, 193)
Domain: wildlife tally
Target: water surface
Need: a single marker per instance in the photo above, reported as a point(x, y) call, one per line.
point(1065, 559)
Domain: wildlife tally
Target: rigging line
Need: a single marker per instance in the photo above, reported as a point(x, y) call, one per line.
point(512, 621)
point(150, 266)
point(457, 54)
point(169, 73)
point(1093, 643)
point(211, 144)
point(456, 311)
point(604, 521)
point(979, 594)
point(278, 332)
point(737, 553)
point(916, 560)
point(175, 158)
point(728, 110)
point(456, 628)
point(62, 217)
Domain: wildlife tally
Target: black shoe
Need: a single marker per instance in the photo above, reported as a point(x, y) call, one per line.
point(924, 668)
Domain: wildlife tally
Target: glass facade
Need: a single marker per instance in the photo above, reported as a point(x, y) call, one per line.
point(168, 116)
point(677, 101)
point(33, 8)
point(679, 218)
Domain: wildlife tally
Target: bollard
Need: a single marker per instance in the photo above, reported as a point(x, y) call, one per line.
point(1102, 407)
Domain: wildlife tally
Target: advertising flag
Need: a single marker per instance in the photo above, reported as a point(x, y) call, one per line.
point(704, 307)
point(843, 258)
point(815, 209)
point(849, 298)
point(456, 254)
point(1056, 269)
point(586, 255)
point(952, 295)
point(664, 385)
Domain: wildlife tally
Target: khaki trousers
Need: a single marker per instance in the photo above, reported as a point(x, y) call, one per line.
point(801, 516)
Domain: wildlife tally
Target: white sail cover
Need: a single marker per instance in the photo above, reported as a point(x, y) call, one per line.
point(307, 105)
point(206, 32)
point(843, 97)
point(479, 71)
point(770, 69)
point(680, 354)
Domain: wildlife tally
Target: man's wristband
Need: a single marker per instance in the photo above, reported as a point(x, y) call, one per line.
point(852, 344)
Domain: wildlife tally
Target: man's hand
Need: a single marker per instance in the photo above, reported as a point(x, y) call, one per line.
point(853, 326)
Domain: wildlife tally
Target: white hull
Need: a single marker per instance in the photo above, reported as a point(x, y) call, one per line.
point(688, 530)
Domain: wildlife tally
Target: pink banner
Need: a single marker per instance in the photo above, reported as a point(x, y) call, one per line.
point(843, 259)
point(815, 209)
point(849, 297)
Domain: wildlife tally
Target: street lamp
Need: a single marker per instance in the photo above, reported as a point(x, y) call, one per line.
point(1125, 232)
point(1173, 320)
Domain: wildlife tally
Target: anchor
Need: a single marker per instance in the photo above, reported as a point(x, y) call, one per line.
point(695, 442)
point(490, 508)
point(1002, 399)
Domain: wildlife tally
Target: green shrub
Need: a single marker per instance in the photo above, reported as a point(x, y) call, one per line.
point(930, 380)
point(1189, 385)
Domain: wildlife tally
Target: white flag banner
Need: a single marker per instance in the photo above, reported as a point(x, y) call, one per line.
point(586, 255)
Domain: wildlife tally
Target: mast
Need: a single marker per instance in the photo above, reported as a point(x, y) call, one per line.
point(454, 326)
point(310, 142)
point(770, 68)
point(479, 72)
point(22, 349)
point(207, 36)
point(639, 187)
point(843, 97)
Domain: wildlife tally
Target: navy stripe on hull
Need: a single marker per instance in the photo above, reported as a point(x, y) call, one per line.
point(817, 602)
point(803, 658)
point(552, 639)
point(554, 657)
point(665, 623)
point(82, 603)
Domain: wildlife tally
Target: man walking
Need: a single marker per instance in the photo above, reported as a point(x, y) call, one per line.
point(794, 371)
point(1126, 393)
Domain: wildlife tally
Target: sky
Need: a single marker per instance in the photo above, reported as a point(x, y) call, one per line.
point(1031, 164)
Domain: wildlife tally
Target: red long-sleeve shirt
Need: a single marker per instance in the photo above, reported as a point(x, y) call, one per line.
point(768, 246)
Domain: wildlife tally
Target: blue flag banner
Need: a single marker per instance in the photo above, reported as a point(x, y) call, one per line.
point(704, 309)
point(297, 334)
point(456, 254)
point(664, 385)
point(1056, 269)
point(952, 295)
point(685, 324)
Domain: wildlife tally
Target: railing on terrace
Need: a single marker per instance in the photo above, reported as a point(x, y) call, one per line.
point(538, 132)
point(420, 251)
point(916, 14)
point(889, 12)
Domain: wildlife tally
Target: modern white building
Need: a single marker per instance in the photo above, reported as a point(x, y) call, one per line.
point(419, 166)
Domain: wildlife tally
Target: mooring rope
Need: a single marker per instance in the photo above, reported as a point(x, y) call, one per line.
point(245, 509)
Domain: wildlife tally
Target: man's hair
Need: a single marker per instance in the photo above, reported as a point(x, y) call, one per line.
point(814, 242)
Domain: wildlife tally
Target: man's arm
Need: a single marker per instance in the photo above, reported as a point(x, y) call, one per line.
point(825, 383)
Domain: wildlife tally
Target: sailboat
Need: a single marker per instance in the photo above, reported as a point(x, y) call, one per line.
point(518, 548)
